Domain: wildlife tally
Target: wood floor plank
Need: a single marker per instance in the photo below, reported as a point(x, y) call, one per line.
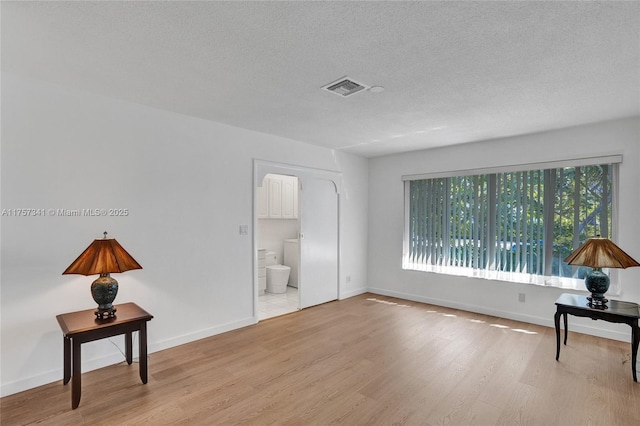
point(367, 360)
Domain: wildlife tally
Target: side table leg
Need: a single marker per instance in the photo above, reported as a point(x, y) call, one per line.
point(635, 341)
point(76, 381)
point(566, 327)
point(128, 347)
point(142, 353)
point(556, 319)
point(66, 349)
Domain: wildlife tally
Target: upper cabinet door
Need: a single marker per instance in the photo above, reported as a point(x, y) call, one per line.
point(289, 197)
point(275, 198)
point(278, 197)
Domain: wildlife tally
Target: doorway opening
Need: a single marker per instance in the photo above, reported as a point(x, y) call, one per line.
point(278, 232)
point(296, 225)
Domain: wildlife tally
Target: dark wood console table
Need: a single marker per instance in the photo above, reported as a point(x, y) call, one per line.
point(617, 311)
point(82, 326)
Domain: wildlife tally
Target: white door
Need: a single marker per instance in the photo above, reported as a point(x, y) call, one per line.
point(318, 242)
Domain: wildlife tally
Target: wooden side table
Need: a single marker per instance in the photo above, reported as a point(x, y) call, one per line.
point(617, 311)
point(82, 326)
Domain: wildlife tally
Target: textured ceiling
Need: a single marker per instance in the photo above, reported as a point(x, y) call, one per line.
point(454, 72)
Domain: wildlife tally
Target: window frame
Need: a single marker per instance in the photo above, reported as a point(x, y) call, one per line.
point(544, 280)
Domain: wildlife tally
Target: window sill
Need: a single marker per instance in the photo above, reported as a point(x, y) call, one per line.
point(565, 283)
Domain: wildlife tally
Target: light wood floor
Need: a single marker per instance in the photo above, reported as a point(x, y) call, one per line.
point(367, 360)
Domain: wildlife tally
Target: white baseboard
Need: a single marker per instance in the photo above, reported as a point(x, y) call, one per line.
point(56, 375)
point(201, 334)
point(117, 357)
point(351, 293)
point(543, 321)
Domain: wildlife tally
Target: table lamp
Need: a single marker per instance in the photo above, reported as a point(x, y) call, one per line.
point(598, 253)
point(103, 256)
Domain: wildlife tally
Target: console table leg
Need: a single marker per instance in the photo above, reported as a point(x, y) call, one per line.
point(635, 341)
point(128, 347)
point(566, 327)
point(556, 319)
point(66, 349)
point(76, 380)
point(143, 351)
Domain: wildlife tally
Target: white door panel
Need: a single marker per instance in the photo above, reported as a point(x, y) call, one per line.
point(318, 242)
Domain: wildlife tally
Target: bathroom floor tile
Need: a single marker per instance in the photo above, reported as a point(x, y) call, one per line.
point(271, 305)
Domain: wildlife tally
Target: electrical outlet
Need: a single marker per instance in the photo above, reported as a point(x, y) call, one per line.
point(244, 229)
point(348, 278)
point(521, 297)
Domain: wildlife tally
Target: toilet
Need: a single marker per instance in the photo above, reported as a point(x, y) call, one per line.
point(291, 259)
point(277, 275)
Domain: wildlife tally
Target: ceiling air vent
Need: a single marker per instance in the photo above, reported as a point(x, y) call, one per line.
point(345, 87)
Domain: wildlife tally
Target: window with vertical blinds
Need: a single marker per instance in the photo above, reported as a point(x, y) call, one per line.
point(509, 225)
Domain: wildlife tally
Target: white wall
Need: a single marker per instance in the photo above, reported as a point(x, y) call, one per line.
point(386, 221)
point(187, 184)
point(273, 232)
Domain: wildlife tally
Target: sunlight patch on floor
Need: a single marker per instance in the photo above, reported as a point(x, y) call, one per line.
point(519, 330)
point(499, 326)
point(386, 302)
point(477, 321)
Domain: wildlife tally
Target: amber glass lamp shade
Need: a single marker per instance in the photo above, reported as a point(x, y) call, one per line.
point(598, 253)
point(103, 256)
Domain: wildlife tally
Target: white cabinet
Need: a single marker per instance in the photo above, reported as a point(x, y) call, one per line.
point(278, 197)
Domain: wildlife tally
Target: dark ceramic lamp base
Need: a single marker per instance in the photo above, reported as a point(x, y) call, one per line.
point(597, 283)
point(104, 291)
